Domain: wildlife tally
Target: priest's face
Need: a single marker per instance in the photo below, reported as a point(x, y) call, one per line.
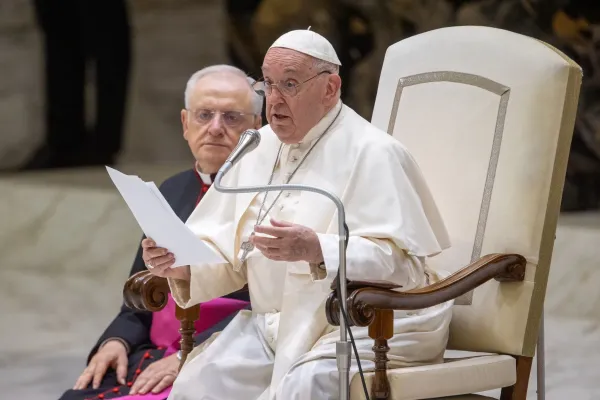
point(220, 108)
point(292, 113)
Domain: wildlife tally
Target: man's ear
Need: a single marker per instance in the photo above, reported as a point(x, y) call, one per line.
point(184, 123)
point(334, 84)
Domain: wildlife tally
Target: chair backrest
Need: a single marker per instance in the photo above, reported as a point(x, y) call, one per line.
point(488, 115)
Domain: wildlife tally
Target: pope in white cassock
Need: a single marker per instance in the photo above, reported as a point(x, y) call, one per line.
point(284, 349)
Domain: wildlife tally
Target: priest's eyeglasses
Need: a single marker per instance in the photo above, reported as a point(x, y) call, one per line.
point(287, 88)
point(232, 119)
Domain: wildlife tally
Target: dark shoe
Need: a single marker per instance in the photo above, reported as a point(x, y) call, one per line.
point(45, 158)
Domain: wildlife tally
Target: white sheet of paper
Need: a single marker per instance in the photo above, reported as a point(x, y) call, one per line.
point(159, 222)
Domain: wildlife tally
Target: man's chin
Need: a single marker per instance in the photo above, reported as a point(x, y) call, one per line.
point(211, 159)
point(216, 147)
point(284, 133)
point(214, 152)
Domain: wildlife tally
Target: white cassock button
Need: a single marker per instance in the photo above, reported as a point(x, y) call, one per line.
point(294, 159)
point(270, 322)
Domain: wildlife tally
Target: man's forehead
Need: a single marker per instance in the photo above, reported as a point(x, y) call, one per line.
point(223, 90)
point(232, 80)
point(286, 69)
point(286, 61)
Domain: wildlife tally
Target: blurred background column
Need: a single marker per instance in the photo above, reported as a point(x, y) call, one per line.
point(83, 39)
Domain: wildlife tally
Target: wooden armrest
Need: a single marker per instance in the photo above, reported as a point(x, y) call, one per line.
point(353, 285)
point(146, 292)
point(364, 298)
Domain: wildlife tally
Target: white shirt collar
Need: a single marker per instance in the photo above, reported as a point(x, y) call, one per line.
point(205, 177)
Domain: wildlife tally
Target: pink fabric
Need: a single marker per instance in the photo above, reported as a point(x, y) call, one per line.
point(164, 331)
point(159, 396)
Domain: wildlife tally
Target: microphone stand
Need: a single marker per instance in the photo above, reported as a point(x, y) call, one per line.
point(342, 349)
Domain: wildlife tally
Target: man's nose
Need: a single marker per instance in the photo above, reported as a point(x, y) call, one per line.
point(275, 97)
point(216, 125)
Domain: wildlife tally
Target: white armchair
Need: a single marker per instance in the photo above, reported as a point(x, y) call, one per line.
point(488, 114)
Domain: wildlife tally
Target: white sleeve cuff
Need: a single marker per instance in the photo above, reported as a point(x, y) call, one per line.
point(331, 257)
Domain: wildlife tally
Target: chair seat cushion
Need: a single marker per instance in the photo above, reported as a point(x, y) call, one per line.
point(460, 373)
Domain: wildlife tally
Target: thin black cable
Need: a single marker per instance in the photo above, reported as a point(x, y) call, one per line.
point(342, 309)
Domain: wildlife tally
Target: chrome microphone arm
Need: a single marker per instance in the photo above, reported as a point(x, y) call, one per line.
point(343, 347)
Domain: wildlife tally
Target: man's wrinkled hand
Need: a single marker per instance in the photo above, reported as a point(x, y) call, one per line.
point(290, 242)
point(157, 376)
point(113, 354)
point(159, 261)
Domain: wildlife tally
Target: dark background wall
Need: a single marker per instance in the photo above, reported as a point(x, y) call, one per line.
point(362, 30)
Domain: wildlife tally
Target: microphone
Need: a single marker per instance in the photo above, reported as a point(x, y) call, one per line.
point(248, 142)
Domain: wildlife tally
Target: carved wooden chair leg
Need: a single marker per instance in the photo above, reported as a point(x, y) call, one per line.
point(380, 331)
point(187, 318)
point(541, 363)
point(519, 390)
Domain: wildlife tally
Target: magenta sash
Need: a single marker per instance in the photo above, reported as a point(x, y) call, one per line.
point(164, 331)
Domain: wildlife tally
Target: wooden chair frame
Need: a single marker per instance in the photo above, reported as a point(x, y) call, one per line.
point(373, 305)
point(146, 292)
point(368, 304)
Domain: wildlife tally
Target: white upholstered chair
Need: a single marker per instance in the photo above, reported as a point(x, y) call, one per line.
point(488, 114)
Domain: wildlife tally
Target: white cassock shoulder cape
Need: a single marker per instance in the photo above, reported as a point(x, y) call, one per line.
point(390, 213)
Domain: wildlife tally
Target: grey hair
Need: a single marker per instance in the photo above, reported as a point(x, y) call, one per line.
point(257, 100)
point(322, 65)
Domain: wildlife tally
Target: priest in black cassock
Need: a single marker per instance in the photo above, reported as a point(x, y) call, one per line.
point(137, 357)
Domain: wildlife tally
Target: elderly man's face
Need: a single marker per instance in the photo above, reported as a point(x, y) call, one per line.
point(292, 116)
point(220, 110)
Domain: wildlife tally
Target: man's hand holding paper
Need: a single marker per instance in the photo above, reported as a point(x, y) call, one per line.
point(159, 261)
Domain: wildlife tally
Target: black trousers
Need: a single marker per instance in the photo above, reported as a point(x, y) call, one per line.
point(110, 388)
point(78, 34)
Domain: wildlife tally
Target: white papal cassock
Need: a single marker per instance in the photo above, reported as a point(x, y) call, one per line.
point(284, 348)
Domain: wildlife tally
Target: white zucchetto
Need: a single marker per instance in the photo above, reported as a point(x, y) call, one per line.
point(308, 42)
